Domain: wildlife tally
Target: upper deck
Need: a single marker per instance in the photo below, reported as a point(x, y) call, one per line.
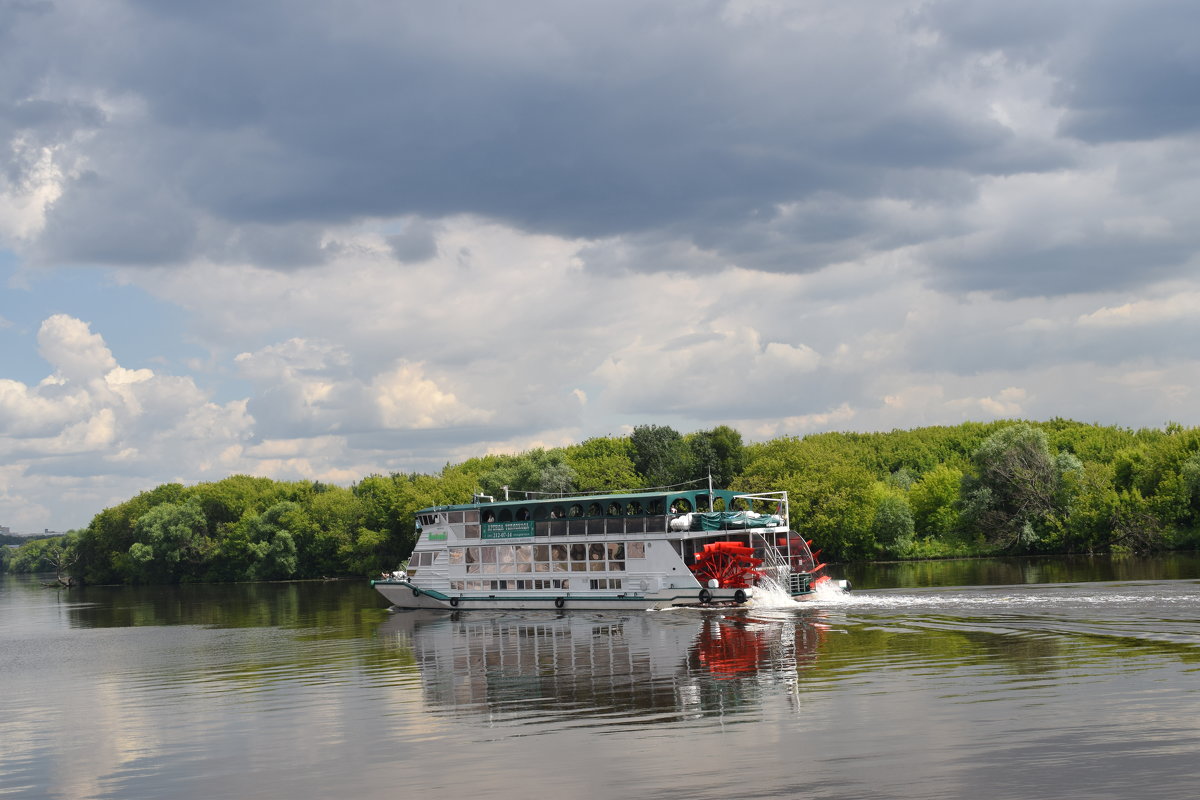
point(595, 514)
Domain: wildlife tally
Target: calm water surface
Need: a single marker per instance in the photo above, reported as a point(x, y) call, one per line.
point(1022, 679)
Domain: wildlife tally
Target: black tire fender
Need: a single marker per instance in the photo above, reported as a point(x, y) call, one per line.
point(416, 592)
point(705, 596)
point(454, 602)
point(559, 602)
point(739, 596)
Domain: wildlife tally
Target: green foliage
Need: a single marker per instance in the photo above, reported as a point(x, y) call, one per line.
point(56, 554)
point(537, 471)
point(1015, 489)
point(603, 465)
point(934, 500)
point(718, 452)
point(892, 526)
point(170, 541)
point(970, 489)
point(659, 454)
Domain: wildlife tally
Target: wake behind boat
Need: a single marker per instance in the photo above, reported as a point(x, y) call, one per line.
point(605, 551)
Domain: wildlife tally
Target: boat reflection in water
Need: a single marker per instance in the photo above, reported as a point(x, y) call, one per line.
point(607, 667)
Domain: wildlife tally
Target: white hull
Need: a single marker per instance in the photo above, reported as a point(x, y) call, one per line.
point(402, 596)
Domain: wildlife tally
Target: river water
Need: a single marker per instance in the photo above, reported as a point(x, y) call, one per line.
point(1022, 679)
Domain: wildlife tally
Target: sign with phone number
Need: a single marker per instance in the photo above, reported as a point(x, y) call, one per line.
point(508, 530)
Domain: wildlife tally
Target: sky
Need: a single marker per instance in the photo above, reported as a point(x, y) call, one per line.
point(314, 240)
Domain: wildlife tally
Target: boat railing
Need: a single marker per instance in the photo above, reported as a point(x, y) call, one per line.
point(765, 548)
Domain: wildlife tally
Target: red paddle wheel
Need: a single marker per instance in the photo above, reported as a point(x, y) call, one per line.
point(732, 564)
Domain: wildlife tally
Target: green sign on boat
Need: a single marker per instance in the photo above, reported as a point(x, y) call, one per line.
point(508, 530)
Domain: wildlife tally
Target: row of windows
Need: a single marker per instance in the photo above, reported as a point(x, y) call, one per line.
point(575, 557)
point(565, 584)
point(483, 586)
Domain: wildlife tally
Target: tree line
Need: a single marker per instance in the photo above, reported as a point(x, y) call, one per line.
point(1005, 487)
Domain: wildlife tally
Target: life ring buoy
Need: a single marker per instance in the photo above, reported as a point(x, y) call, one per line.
point(705, 596)
point(559, 602)
point(416, 592)
point(739, 596)
point(454, 602)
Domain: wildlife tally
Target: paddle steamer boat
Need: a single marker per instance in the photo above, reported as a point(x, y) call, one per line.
point(605, 551)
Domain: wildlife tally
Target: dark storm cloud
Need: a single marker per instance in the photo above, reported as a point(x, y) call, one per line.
point(682, 127)
point(1140, 78)
point(1015, 269)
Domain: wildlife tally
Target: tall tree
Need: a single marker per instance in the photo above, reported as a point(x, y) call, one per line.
point(659, 455)
point(718, 452)
point(1015, 489)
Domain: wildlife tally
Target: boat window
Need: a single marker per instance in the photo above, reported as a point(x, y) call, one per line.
point(739, 504)
point(681, 506)
point(605, 583)
point(487, 555)
point(636, 550)
point(541, 552)
point(719, 504)
point(558, 512)
point(702, 502)
point(471, 531)
point(614, 509)
point(472, 555)
point(456, 518)
point(594, 510)
point(634, 509)
point(524, 553)
point(575, 510)
point(541, 512)
point(471, 516)
point(616, 566)
point(505, 515)
point(522, 514)
point(596, 551)
point(656, 506)
point(616, 550)
point(456, 556)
